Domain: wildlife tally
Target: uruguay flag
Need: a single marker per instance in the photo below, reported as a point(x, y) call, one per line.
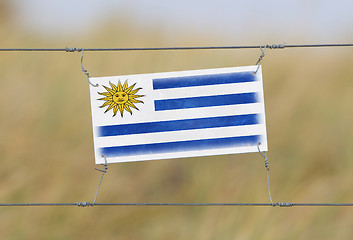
point(178, 114)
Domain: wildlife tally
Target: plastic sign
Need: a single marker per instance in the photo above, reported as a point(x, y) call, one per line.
point(178, 114)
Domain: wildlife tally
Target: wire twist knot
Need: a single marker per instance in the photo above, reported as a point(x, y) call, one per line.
point(283, 204)
point(68, 49)
point(276, 46)
point(267, 164)
point(84, 204)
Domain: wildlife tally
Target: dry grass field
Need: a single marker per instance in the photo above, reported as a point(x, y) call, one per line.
point(46, 146)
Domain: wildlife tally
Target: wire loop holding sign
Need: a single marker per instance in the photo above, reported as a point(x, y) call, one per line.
point(84, 70)
point(273, 46)
point(260, 59)
point(263, 154)
point(103, 172)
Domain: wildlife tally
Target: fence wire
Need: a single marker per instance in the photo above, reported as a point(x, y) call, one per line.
point(89, 204)
point(268, 46)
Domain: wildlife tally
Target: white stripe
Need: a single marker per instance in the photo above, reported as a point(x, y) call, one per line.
point(150, 76)
point(197, 153)
point(204, 112)
point(185, 135)
point(217, 111)
point(190, 113)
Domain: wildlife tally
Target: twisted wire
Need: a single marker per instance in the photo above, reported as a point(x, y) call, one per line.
point(103, 173)
point(82, 67)
point(263, 154)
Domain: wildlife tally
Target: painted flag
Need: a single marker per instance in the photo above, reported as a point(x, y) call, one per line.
point(178, 114)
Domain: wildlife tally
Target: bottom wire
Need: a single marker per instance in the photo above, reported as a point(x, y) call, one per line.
point(87, 204)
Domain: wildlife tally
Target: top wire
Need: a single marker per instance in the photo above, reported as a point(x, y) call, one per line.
point(273, 46)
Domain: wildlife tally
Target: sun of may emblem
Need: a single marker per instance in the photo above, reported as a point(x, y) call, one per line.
point(120, 98)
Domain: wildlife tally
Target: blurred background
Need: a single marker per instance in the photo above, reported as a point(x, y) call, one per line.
point(46, 140)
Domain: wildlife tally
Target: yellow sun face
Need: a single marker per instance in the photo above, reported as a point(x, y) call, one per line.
point(120, 98)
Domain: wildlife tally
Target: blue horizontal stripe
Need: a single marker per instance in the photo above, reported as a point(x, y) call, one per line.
point(178, 125)
point(203, 80)
point(208, 101)
point(169, 147)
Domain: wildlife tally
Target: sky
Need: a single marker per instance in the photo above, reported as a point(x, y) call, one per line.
point(316, 21)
